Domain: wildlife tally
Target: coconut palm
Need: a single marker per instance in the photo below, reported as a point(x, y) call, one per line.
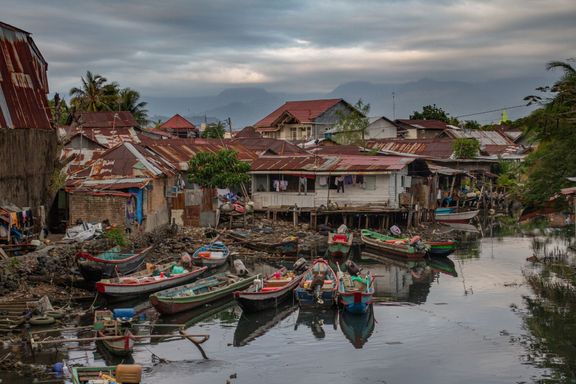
point(566, 86)
point(91, 96)
point(129, 100)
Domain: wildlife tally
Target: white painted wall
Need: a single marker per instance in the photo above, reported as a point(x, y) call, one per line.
point(384, 190)
point(381, 129)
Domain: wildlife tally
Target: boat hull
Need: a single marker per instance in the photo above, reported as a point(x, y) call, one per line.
point(306, 298)
point(121, 346)
point(402, 250)
point(441, 248)
point(94, 269)
point(260, 301)
point(130, 290)
point(355, 302)
point(169, 305)
point(456, 217)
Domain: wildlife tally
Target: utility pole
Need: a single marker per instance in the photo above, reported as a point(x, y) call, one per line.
point(393, 105)
point(229, 121)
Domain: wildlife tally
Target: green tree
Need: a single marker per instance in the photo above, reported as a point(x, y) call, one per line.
point(554, 127)
point(90, 97)
point(351, 126)
point(97, 94)
point(214, 131)
point(432, 112)
point(466, 148)
point(129, 100)
point(218, 170)
point(472, 124)
point(59, 109)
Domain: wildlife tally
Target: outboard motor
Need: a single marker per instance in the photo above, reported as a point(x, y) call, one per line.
point(240, 268)
point(352, 268)
point(299, 265)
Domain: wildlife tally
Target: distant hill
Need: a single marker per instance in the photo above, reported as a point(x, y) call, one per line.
point(245, 106)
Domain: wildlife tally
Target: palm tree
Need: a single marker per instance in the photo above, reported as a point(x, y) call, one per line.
point(566, 86)
point(128, 100)
point(90, 97)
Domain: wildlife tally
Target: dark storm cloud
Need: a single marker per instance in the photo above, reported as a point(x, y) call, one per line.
point(186, 48)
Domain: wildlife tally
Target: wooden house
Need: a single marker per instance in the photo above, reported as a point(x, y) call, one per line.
point(302, 120)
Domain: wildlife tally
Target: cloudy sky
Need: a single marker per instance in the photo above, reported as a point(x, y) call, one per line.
point(192, 48)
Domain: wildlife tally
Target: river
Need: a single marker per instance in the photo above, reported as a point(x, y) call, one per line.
point(473, 318)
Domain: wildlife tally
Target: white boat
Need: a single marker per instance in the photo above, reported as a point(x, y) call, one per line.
point(83, 232)
point(456, 217)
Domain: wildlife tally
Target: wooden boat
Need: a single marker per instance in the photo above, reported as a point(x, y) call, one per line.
point(113, 262)
point(261, 295)
point(339, 244)
point(305, 293)
point(146, 281)
point(122, 373)
point(456, 217)
point(202, 292)
point(287, 246)
point(409, 248)
point(444, 210)
point(211, 255)
point(112, 334)
point(354, 292)
point(358, 328)
point(441, 248)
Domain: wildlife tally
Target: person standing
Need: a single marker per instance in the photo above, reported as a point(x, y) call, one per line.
point(340, 184)
point(303, 185)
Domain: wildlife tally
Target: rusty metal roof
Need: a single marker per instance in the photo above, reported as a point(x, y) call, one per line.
point(108, 137)
point(247, 133)
point(107, 119)
point(23, 81)
point(324, 164)
point(177, 122)
point(179, 151)
point(264, 144)
point(304, 111)
point(435, 148)
point(126, 163)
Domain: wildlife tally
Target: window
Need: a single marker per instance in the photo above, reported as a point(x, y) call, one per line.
point(293, 133)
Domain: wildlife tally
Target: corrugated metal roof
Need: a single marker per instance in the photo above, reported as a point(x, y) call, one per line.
point(177, 122)
point(330, 164)
point(108, 137)
point(424, 124)
point(435, 148)
point(494, 137)
point(179, 151)
point(302, 111)
point(107, 119)
point(264, 144)
point(247, 132)
point(122, 164)
point(23, 81)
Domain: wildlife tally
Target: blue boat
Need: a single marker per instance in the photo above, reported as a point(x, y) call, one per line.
point(211, 255)
point(444, 210)
point(355, 293)
point(318, 287)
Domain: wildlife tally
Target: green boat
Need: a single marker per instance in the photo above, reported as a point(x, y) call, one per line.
point(410, 248)
point(339, 244)
point(122, 373)
point(202, 292)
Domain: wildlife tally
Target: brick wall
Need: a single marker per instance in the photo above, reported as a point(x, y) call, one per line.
point(95, 209)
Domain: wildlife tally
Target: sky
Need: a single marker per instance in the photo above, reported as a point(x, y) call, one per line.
point(195, 48)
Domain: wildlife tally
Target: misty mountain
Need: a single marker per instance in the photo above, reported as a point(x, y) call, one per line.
point(245, 106)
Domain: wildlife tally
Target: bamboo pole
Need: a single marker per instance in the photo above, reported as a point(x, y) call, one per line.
point(136, 337)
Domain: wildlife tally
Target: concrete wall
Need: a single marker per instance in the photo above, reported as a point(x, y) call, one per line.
point(155, 205)
point(381, 129)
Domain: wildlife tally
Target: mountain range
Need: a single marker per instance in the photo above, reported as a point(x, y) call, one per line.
point(245, 106)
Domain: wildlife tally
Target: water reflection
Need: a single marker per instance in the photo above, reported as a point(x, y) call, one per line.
point(316, 320)
point(357, 327)
point(399, 279)
point(253, 325)
point(551, 313)
point(224, 310)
